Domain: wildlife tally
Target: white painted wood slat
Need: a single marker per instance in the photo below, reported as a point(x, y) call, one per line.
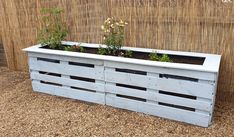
point(66, 58)
point(159, 110)
point(68, 82)
point(201, 105)
point(94, 97)
point(87, 72)
point(177, 86)
point(152, 91)
point(163, 70)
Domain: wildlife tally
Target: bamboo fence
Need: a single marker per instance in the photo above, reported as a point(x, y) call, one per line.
point(186, 25)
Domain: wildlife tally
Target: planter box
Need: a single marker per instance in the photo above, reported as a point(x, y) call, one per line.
point(178, 91)
point(58, 73)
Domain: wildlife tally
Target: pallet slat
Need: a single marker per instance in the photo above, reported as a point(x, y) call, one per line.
point(66, 69)
point(66, 58)
point(159, 110)
point(68, 82)
point(201, 105)
point(163, 70)
point(69, 92)
point(178, 86)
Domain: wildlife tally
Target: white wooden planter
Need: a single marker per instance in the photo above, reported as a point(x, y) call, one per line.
point(182, 92)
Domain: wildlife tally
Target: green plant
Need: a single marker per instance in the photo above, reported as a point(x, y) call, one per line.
point(165, 58)
point(154, 56)
point(102, 51)
point(53, 31)
point(128, 53)
point(82, 49)
point(68, 48)
point(75, 48)
point(113, 35)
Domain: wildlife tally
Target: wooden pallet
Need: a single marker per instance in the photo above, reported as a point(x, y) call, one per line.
point(182, 92)
point(68, 77)
point(161, 92)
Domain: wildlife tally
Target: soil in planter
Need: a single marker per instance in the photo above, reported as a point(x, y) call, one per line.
point(145, 56)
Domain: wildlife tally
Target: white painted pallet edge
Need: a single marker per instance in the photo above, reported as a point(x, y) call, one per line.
point(67, 58)
point(163, 70)
point(207, 66)
point(195, 74)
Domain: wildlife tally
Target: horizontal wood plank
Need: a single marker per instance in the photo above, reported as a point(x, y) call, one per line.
point(80, 71)
point(154, 96)
point(162, 70)
point(177, 86)
point(68, 82)
point(159, 110)
point(67, 58)
point(94, 97)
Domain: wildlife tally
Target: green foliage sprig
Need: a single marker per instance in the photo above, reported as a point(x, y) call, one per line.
point(128, 54)
point(75, 48)
point(113, 35)
point(53, 31)
point(102, 51)
point(154, 57)
point(165, 58)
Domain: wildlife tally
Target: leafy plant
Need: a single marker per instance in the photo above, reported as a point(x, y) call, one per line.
point(165, 58)
point(128, 53)
point(102, 51)
point(75, 48)
point(53, 31)
point(68, 48)
point(154, 56)
point(82, 49)
point(113, 35)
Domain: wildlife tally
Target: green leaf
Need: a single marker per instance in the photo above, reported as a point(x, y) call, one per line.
point(53, 31)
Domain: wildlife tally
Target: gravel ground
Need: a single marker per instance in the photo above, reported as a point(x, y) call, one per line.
point(26, 113)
